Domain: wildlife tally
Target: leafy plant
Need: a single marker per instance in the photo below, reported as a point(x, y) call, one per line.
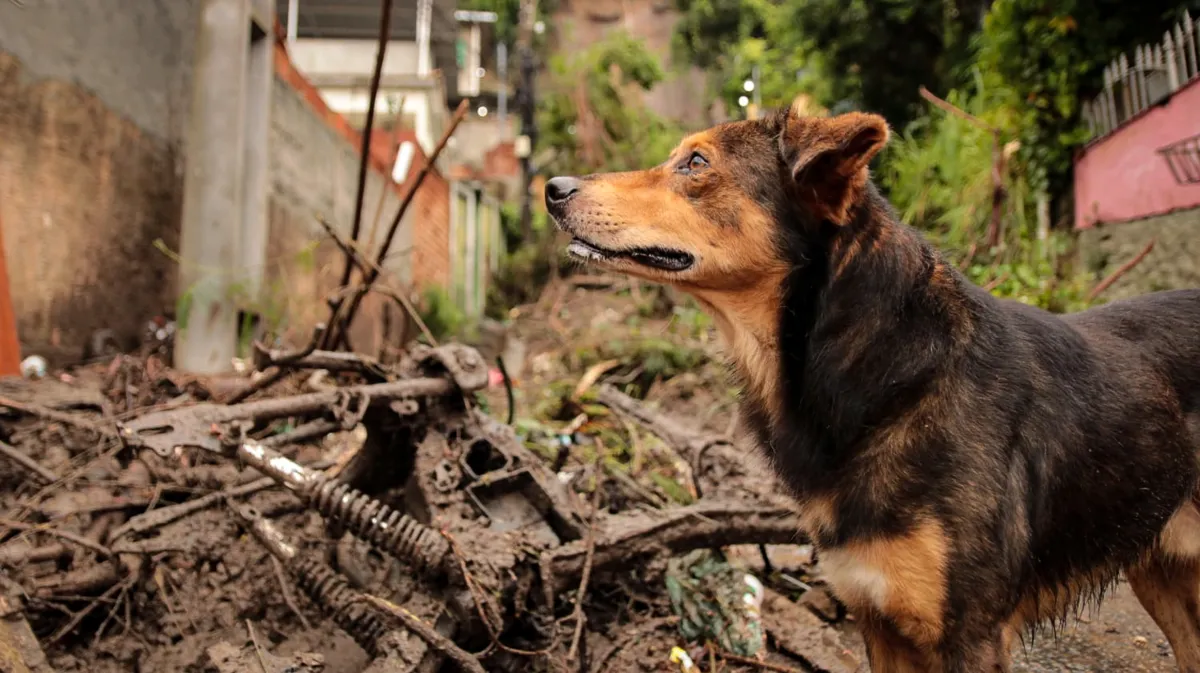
point(441, 314)
point(1050, 56)
point(591, 112)
point(939, 172)
point(842, 54)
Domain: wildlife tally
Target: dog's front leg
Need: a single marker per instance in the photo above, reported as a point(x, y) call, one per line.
point(889, 651)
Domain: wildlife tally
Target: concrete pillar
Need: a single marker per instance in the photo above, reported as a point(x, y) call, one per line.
point(260, 79)
point(225, 156)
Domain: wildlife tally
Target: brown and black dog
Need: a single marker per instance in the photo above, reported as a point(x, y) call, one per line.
point(968, 467)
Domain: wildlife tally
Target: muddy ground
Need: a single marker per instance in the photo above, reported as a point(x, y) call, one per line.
point(622, 417)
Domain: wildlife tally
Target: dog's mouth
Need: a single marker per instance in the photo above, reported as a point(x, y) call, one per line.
point(662, 259)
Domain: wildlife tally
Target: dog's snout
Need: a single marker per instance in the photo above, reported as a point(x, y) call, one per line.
point(559, 190)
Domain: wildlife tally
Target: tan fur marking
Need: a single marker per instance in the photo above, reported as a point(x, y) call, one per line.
point(817, 515)
point(889, 652)
point(1169, 589)
point(1180, 538)
point(902, 578)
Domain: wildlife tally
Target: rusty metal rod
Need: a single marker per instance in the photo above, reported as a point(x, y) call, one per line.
point(337, 335)
point(385, 29)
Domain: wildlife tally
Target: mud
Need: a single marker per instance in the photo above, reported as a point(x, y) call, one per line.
point(620, 459)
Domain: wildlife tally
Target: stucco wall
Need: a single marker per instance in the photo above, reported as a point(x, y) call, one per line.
point(93, 107)
point(1122, 177)
point(1174, 263)
point(93, 103)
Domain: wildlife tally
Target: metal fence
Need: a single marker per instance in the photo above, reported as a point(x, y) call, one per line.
point(1134, 83)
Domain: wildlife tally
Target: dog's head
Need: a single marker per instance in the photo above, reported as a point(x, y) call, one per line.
point(711, 217)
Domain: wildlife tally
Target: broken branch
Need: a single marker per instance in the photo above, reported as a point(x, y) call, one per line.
point(426, 632)
point(1121, 271)
point(16, 456)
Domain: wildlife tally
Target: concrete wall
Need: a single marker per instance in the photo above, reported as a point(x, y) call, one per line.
point(93, 107)
point(1174, 263)
point(1122, 177)
point(93, 104)
point(314, 171)
point(354, 59)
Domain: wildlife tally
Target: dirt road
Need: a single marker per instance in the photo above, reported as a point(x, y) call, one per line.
point(1119, 638)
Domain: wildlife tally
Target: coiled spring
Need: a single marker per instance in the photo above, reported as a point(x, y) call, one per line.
point(385, 528)
point(328, 590)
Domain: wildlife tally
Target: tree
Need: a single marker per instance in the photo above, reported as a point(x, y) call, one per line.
point(590, 113)
point(1051, 57)
point(866, 54)
point(508, 15)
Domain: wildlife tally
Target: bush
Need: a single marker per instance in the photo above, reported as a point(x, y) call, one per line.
point(939, 174)
point(441, 314)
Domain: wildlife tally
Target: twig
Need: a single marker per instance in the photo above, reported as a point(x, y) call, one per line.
point(589, 558)
point(746, 661)
point(508, 390)
point(674, 531)
point(952, 109)
point(341, 324)
point(125, 586)
point(57, 416)
point(285, 590)
point(266, 357)
point(28, 463)
point(79, 616)
point(473, 588)
point(161, 517)
point(1116, 275)
point(366, 265)
point(427, 633)
point(998, 161)
point(69, 537)
point(995, 282)
point(254, 638)
point(262, 383)
point(385, 29)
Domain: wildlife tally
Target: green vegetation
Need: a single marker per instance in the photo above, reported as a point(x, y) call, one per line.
point(441, 314)
point(1051, 57)
point(1022, 66)
point(591, 113)
point(592, 119)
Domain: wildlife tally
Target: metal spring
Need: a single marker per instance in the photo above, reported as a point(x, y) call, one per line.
point(385, 528)
point(328, 590)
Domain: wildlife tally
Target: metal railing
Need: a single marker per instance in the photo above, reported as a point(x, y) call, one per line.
point(1132, 84)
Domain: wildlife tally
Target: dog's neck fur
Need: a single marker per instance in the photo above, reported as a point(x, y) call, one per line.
point(844, 318)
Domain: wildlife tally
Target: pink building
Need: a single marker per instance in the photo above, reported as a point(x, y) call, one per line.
point(1139, 179)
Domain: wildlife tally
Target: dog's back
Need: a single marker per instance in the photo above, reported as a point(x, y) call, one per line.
point(1165, 327)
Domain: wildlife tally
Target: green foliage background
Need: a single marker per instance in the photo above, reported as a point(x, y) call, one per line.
point(1023, 66)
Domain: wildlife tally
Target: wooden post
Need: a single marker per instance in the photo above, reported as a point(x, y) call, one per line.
point(10, 348)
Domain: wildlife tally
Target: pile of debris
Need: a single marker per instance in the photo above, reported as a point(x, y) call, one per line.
point(157, 522)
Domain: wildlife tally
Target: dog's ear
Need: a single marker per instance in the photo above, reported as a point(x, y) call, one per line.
point(828, 157)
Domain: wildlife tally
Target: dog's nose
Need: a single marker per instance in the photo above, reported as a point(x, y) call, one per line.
point(559, 189)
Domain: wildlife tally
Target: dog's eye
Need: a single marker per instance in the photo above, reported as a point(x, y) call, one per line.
point(697, 162)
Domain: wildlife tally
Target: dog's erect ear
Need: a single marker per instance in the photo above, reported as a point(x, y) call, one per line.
point(829, 156)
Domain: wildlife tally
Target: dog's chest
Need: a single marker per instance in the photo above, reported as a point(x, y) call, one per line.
point(902, 577)
point(856, 580)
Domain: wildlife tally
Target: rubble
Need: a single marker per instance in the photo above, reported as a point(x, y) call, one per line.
point(152, 525)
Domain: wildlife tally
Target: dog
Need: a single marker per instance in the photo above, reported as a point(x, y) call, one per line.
point(968, 468)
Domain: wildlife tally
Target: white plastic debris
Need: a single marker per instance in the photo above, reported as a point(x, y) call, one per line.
point(34, 367)
point(753, 598)
point(686, 665)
